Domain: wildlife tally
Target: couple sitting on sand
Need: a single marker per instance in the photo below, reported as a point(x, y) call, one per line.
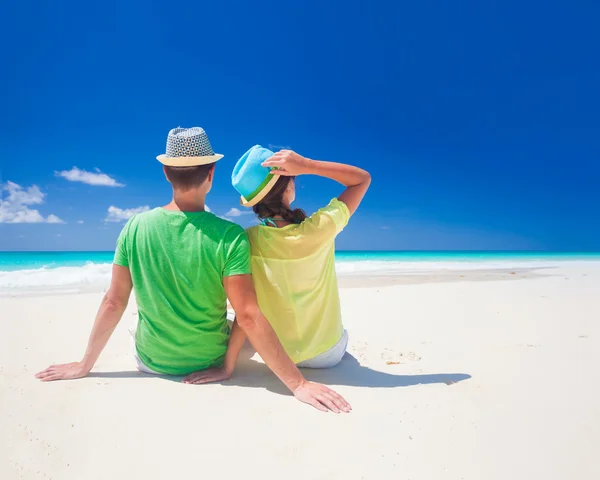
point(184, 262)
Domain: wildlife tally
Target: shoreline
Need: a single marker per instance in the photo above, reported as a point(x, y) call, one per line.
point(345, 280)
point(64, 273)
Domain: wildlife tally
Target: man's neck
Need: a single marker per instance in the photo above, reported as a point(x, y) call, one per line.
point(189, 201)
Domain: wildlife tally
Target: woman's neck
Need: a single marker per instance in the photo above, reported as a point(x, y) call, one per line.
point(277, 220)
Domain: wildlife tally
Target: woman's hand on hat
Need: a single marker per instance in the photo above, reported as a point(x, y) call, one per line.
point(288, 163)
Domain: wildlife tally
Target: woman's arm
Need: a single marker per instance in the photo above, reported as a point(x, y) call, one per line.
point(356, 180)
point(236, 342)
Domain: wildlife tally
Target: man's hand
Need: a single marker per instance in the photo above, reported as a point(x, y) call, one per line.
point(206, 376)
point(288, 163)
point(321, 397)
point(67, 371)
point(109, 314)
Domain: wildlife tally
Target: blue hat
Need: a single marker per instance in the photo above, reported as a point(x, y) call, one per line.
point(250, 178)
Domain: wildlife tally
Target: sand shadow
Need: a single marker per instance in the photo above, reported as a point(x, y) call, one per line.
point(133, 374)
point(349, 372)
point(245, 355)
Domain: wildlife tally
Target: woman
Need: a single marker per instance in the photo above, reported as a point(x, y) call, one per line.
point(293, 266)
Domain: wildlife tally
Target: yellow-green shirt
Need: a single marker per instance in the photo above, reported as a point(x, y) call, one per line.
point(293, 269)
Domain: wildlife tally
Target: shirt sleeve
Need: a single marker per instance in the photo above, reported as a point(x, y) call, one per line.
point(121, 252)
point(331, 219)
point(237, 251)
point(339, 213)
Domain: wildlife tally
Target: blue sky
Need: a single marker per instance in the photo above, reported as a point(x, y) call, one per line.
point(478, 120)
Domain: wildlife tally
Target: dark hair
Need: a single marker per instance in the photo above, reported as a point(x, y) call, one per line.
point(186, 178)
point(272, 205)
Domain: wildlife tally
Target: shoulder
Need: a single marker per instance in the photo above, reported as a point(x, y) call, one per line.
point(143, 217)
point(134, 221)
point(229, 233)
point(252, 231)
point(334, 207)
point(142, 221)
point(225, 225)
point(335, 212)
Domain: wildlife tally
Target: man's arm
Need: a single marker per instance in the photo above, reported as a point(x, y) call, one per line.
point(109, 314)
point(241, 293)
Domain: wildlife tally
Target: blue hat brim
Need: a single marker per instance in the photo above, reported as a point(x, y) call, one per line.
point(261, 194)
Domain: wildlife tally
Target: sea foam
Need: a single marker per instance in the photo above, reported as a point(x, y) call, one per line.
point(96, 276)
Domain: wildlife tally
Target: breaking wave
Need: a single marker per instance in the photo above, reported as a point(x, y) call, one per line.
point(96, 276)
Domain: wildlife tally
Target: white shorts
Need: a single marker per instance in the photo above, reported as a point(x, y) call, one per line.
point(140, 366)
point(327, 359)
point(330, 358)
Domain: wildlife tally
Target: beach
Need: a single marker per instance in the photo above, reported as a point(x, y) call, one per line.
point(452, 373)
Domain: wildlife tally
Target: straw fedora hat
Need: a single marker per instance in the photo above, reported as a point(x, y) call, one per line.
point(188, 147)
point(250, 178)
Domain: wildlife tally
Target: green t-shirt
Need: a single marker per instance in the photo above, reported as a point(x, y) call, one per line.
point(177, 262)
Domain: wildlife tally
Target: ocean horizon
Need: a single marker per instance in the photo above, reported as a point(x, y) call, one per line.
point(30, 260)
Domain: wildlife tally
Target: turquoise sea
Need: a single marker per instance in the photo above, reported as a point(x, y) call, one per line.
point(11, 261)
point(22, 271)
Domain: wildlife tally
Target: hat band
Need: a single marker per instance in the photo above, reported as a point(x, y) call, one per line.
point(259, 188)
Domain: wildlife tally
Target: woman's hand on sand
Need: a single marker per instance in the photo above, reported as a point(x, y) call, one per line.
point(207, 376)
point(321, 397)
point(66, 371)
point(288, 163)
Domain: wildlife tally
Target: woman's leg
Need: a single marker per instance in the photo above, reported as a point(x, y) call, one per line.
point(330, 358)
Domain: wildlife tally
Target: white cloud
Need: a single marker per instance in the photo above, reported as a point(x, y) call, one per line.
point(54, 219)
point(236, 212)
point(79, 221)
point(14, 207)
point(116, 214)
point(90, 178)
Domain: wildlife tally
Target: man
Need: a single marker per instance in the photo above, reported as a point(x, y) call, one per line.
point(183, 263)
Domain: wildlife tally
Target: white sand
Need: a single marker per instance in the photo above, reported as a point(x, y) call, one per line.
point(525, 355)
